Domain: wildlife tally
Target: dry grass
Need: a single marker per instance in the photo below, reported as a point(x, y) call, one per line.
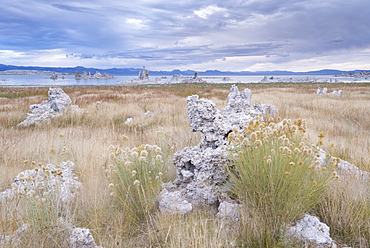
point(197, 229)
point(88, 133)
point(344, 119)
point(345, 208)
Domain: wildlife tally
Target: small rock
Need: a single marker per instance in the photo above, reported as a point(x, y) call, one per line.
point(15, 238)
point(172, 202)
point(312, 230)
point(343, 167)
point(141, 127)
point(337, 92)
point(324, 91)
point(227, 210)
point(128, 121)
point(82, 238)
point(321, 91)
point(148, 114)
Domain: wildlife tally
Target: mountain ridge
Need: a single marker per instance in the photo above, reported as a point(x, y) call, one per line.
point(135, 71)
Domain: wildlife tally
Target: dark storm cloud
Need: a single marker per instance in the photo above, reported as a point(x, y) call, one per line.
point(185, 32)
point(186, 55)
point(71, 8)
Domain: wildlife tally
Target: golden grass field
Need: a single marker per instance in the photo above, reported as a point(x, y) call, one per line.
point(88, 133)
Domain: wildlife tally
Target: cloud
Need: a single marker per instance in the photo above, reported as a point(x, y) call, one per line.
point(135, 22)
point(338, 39)
point(72, 8)
point(207, 11)
point(186, 33)
point(186, 55)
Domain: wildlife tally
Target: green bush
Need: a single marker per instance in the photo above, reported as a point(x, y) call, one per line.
point(275, 175)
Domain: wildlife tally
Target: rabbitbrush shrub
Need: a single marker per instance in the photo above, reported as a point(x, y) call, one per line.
point(275, 175)
point(42, 207)
point(136, 180)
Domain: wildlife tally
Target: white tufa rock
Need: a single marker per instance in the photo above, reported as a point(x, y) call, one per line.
point(54, 75)
point(324, 91)
point(229, 211)
point(144, 74)
point(201, 172)
point(53, 107)
point(181, 79)
point(98, 75)
point(56, 180)
point(321, 91)
point(82, 238)
point(310, 229)
point(143, 78)
point(141, 127)
point(337, 92)
point(15, 238)
point(128, 121)
point(88, 75)
point(343, 167)
point(148, 114)
point(174, 203)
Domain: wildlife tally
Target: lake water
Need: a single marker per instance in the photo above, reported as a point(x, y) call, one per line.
point(69, 80)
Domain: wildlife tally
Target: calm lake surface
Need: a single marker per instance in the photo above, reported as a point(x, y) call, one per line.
point(69, 80)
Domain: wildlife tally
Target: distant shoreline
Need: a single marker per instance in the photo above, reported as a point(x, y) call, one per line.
point(31, 72)
point(39, 70)
point(41, 79)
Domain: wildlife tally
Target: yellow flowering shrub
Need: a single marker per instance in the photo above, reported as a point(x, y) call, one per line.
point(275, 173)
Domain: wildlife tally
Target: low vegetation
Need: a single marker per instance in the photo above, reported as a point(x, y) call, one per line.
point(121, 166)
point(274, 176)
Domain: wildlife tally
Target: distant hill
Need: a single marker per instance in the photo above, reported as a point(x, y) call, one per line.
point(135, 71)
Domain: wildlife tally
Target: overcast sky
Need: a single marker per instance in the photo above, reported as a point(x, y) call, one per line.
point(234, 35)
